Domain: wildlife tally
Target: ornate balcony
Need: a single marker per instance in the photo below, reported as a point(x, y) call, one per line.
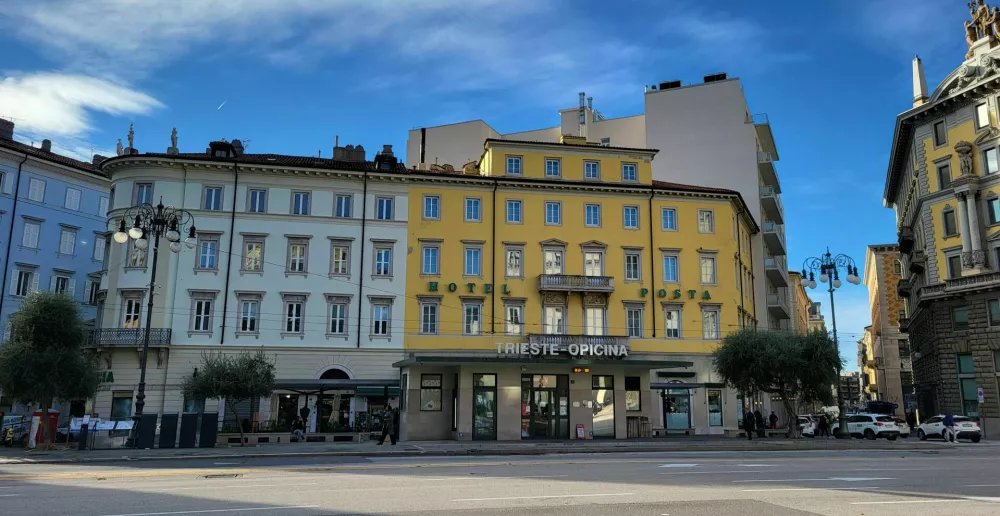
point(918, 261)
point(905, 239)
point(904, 327)
point(127, 337)
point(583, 345)
point(903, 288)
point(575, 283)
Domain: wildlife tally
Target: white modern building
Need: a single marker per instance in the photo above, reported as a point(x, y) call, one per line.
point(299, 256)
point(706, 136)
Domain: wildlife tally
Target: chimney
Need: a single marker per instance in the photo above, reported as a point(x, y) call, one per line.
point(385, 160)
point(46, 145)
point(349, 152)
point(237, 147)
point(98, 159)
point(6, 129)
point(919, 83)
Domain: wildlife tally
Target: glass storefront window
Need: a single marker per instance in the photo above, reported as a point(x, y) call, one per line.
point(288, 410)
point(603, 390)
point(545, 406)
point(430, 392)
point(677, 408)
point(484, 396)
point(633, 401)
point(970, 400)
point(714, 408)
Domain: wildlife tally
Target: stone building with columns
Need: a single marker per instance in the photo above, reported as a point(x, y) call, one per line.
point(944, 186)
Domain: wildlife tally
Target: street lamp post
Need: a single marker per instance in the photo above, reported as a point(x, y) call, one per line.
point(143, 223)
point(829, 268)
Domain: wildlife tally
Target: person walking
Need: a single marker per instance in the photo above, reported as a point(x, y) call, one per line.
point(749, 424)
point(759, 420)
point(911, 420)
point(948, 432)
point(774, 420)
point(824, 427)
point(388, 426)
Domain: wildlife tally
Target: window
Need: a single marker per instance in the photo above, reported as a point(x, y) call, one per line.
point(294, 307)
point(473, 261)
point(342, 206)
point(592, 215)
point(143, 193)
point(72, 199)
point(430, 388)
point(591, 170)
point(553, 213)
point(630, 217)
point(253, 256)
point(249, 310)
point(513, 212)
point(121, 406)
point(706, 221)
point(93, 291)
point(553, 261)
point(552, 167)
point(473, 211)
point(36, 189)
point(340, 258)
point(897, 267)
point(383, 261)
point(62, 285)
point(99, 246)
point(633, 321)
point(710, 323)
point(131, 310)
point(298, 256)
point(429, 318)
point(993, 206)
point(432, 207)
point(708, 270)
point(513, 318)
point(982, 115)
point(472, 321)
point(967, 382)
point(714, 407)
point(102, 208)
point(668, 218)
point(990, 165)
point(944, 176)
point(553, 323)
point(431, 260)
point(954, 267)
point(966, 364)
point(672, 326)
point(950, 226)
point(633, 266)
point(513, 263)
point(940, 134)
point(300, 203)
point(993, 309)
point(136, 256)
point(213, 198)
point(960, 318)
point(338, 317)
point(202, 315)
point(23, 282)
point(670, 273)
point(257, 203)
point(593, 263)
point(383, 208)
point(67, 241)
point(514, 165)
point(29, 238)
point(380, 319)
point(594, 320)
point(605, 142)
point(629, 172)
point(632, 398)
point(208, 252)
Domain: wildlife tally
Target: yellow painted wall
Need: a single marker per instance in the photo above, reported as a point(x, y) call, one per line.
point(965, 131)
point(572, 160)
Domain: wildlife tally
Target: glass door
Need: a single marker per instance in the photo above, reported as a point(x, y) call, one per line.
point(715, 408)
point(603, 390)
point(677, 409)
point(484, 409)
point(545, 406)
point(543, 416)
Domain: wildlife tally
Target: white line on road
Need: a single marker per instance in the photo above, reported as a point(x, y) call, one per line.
point(679, 466)
point(811, 489)
point(758, 465)
point(227, 463)
point(828, 479)
point(941, 500)
point(206, 511)
point(982, 485)
point(524, 498)
point(742, 472)
point(9, 495)
point(231, 486)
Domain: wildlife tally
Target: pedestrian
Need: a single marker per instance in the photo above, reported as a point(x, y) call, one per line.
point(948, 432)
point(759, 420)
point(911, 420)
point(774, 420)
point(749, 422)
point(824, 427)
point(388, 426)
point(298, 429)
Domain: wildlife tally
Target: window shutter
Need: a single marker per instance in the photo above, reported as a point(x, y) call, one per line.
point(52, 284)
point(103, 210)
point(8, 184)
point(34, 282)
point(13, 282)
point(71, 290)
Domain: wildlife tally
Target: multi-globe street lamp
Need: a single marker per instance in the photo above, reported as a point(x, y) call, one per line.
point(143, 223)
point(829, 268)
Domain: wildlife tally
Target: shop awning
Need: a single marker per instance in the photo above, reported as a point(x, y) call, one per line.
point(376, 391)
point(473, 360)
point(315, 386)
point(674, 385)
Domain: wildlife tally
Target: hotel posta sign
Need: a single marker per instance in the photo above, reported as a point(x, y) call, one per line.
point(487, 288)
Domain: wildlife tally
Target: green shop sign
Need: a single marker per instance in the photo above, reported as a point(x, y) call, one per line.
point(487, 288)
point(677, 293)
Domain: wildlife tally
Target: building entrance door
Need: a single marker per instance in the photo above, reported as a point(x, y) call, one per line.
point(677, 409)
point(544, 407)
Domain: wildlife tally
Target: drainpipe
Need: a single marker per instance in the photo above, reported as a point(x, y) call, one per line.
point(229, 267)
point(10, 234)
point(739, 259)
point(493, 248)
point(652, 262)
point(361, 263)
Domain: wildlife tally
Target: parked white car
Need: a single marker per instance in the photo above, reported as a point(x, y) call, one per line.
point(872, 426)
point(904, 428)
point(965, 428)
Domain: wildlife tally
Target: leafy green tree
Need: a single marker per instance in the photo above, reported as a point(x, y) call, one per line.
point(788, 365)
point(44, 359)
point(235, 377)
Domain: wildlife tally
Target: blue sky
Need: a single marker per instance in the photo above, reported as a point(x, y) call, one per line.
point(831, 76)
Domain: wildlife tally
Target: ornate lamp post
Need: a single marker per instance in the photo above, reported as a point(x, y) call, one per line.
point(144, 223)
point(829, 268)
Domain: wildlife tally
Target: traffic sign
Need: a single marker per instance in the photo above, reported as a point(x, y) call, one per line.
point(979, 394)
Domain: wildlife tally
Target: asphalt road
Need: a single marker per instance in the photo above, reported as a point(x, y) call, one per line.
point(963, 479)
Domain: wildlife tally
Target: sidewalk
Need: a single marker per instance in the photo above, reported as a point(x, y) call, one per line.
point(460, 448)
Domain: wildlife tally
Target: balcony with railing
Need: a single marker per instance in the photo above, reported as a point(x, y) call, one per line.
point(764, 135)
point(777, 304)
point(777, 270)
point(767, 171)
point(563, 341)
point(770, 200)
point(127, 337)
point(774, 237)
point(575, 283)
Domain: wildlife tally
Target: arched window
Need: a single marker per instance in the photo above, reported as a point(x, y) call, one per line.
point(897, 267)
point(334, 374)
point(949, 224)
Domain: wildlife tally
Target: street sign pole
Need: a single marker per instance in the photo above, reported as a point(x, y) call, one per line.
point(982, 417)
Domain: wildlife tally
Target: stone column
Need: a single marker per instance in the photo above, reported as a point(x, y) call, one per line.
point(978, 257)
point(963, 229)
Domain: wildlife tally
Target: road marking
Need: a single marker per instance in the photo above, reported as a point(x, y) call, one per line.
point(227, 463)
point(982, 485)
point(679, 466)
point(293, 484)
point(206, 511)
point(834, 479)
point(941, 500)
point(758, 465)
point(811, 489)
point(8, 495)
point(742, 472)
point(523, 498)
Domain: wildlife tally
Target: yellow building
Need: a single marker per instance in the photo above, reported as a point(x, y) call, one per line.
point(555, 291)
point(866, 363)
point(800, 304)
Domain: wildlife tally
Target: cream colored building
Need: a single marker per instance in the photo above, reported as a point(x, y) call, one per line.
point(800, 304)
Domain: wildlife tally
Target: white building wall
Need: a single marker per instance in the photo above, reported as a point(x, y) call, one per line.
point(453, 144)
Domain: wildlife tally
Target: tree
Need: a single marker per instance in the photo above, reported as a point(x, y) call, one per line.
point(235, 377)
point(44, 359)
point(789, 365)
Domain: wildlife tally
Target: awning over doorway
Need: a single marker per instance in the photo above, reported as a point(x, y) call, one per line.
point(456, 360)
point(373, 387)
point(675, 385)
